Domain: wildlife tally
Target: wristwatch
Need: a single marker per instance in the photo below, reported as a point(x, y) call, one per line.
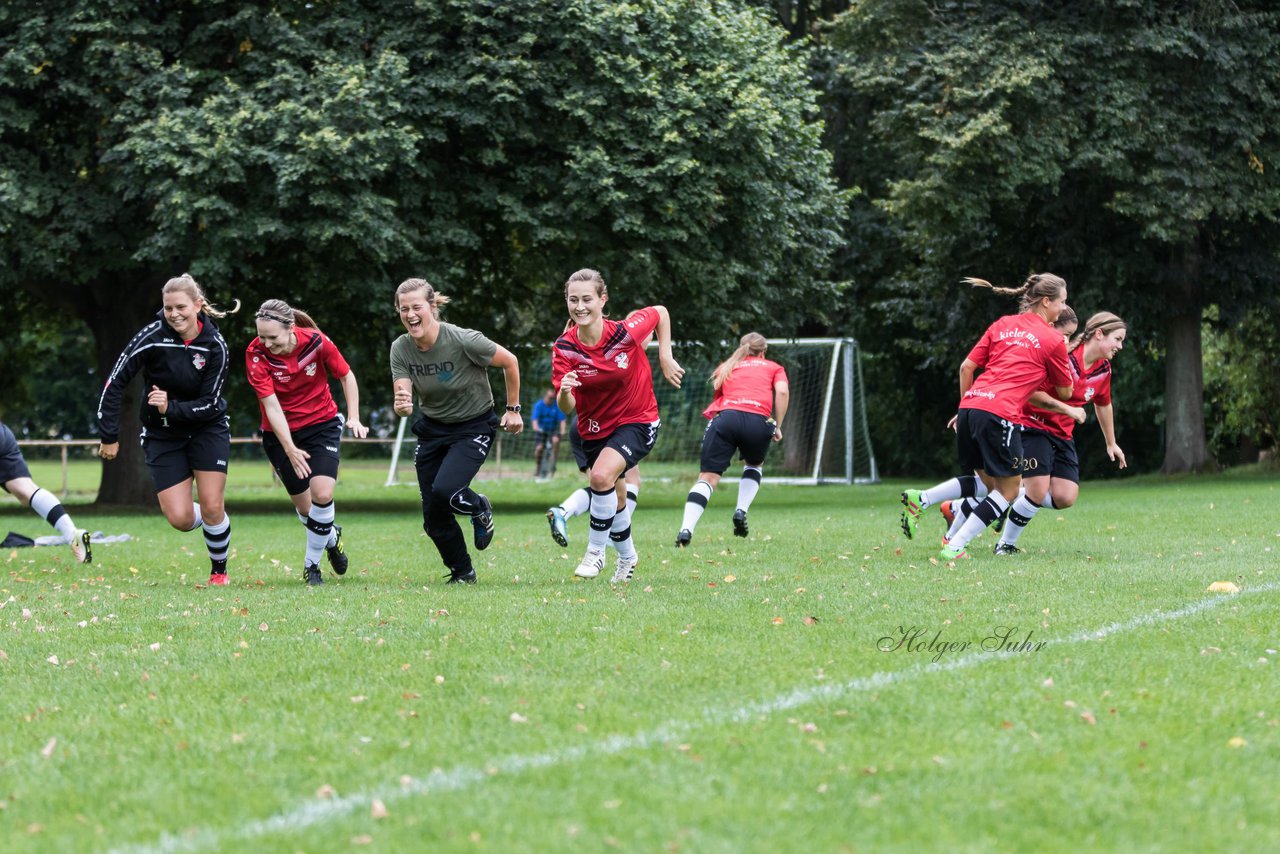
point(511, 408)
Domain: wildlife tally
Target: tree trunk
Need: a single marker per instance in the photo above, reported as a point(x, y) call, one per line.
point(1186, 447)
point(114, 310)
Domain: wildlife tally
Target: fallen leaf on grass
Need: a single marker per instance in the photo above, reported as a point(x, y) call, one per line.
point(364, 839)
point(378, 810)
point(1088, 718)
point(48, 749)
point(326, 791)
point(810, 621)
point(1223, 587)
point(777, 621)
point(1237, 742)
point(517, 718)
point(359, 698)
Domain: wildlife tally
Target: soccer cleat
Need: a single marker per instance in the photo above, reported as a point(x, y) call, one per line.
point(592, 563)
point(949, 554)
point(482, 522)
point(337, 554)
point(555, 518)
point(217, 579)
point(911, 512)
point(314, 577)
point(999, 524)
point(1007, 549)
point(739, 523)
point(464, 576)
point(80, 546)
point(626, 567)
point(945, 509)
point(684, 538)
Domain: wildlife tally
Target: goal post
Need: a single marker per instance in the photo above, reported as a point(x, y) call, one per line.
point(825, 435)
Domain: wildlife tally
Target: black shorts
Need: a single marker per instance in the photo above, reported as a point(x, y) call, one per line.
point(632, 441)
point(1045, 455)
point(170, 461)
point(989, 443)
point(575, 442)
point(12, 465)
point(734, 430)
point(321, 441)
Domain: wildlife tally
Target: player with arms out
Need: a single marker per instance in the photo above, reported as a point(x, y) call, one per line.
point(600, 371)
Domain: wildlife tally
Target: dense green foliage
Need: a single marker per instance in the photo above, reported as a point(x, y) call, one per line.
point(1129, 147)
point(282, 150)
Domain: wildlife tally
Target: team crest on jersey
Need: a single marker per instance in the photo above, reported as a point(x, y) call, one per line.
point(621, 361)
point(311, 369)
point(1088, 393)
point(198, 360)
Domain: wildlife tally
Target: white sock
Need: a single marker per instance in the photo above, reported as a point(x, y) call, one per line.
point(49, 508)
point(604, 507)
point(985, 513)
point(578, 502)
point(319, 530)
point(199, 521)
point(1048, 501)
point(699, 495)
point(748, 486)
point(1020, 516)
point(620, 535)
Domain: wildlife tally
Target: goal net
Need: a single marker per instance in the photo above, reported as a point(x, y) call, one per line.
point(825, 438)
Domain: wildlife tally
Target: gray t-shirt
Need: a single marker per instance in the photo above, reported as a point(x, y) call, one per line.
point(449, 380)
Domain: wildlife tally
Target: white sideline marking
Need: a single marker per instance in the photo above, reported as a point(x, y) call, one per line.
point(317, 811)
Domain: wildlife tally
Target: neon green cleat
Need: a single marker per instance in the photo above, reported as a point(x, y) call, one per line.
point(949, 554)
point(911, 501)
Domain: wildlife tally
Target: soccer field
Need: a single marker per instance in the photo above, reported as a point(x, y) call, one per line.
point(820, 686)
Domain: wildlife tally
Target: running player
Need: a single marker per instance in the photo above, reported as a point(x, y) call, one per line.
point(1016, 353)
point(600, 370)
point(1051, 477)
point(15, 477)
point(186, 435)
point(579, 501)
point(746, 412)
point(444, 367)
point(289, 364)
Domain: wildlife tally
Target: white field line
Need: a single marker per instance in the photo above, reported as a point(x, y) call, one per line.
point(318, 811)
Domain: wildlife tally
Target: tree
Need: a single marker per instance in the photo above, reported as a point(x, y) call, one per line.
point(281, 150)
point(1124, 146)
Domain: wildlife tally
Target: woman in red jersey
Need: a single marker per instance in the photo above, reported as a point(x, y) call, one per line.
point(1051, 474)
point(1016, 353)
point(600, 370)
point(746, 412)
point(289, 365)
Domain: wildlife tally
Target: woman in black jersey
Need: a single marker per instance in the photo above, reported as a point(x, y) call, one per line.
point(185, 431)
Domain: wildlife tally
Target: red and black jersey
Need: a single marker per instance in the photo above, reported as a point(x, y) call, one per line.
point(300, 380)
point(192, 372)
point(1092, 386)
point(617, 381)
point(748, 388)
point(1017, 353)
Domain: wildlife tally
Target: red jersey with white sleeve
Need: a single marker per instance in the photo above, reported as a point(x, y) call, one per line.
point(749, 387)
point(1092, 386)
point(617, 381)
point(300, 380)
point(1017, 353)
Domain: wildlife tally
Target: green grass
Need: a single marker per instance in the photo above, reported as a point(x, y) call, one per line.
point(732, 698)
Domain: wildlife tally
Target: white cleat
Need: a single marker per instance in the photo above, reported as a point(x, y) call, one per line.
point(80, 546)
point(625, 569)
point(592, 563)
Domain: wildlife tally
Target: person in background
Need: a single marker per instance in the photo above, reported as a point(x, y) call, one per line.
point(548, 429)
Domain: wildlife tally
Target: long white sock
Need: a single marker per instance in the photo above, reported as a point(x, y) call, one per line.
point(965, 486)
point(1020, 516)
point(620, 534)
point(985, 513)
point(578, 502)
point(49, 508)
point(961, 508)
point(633, 497)
point(748, 486)
point(217, 539)
point(195, 512)
point(1048, 501)
point(695, 503)
point(319, 530)
point(604, 507)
